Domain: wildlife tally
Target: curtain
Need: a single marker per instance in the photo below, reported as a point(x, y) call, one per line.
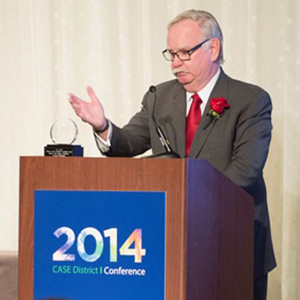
point(52, 47)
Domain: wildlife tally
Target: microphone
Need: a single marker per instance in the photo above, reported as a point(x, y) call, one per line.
point(152, 89)
point(164, 141)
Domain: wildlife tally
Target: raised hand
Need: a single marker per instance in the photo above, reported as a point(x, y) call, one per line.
point(89, 112)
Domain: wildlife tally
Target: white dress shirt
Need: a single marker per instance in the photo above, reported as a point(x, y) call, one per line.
point(203, 94)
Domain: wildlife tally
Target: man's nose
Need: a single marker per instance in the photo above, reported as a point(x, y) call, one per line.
point(176, 62)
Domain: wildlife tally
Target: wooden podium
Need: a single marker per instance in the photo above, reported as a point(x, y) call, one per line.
point(209, 220)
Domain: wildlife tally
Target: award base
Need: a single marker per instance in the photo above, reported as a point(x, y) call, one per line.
point(63, 150)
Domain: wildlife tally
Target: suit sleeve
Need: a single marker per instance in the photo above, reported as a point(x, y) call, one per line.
point(134, 138)
point(251, 143)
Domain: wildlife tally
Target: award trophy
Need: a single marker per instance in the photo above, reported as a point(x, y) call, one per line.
point(63, 134)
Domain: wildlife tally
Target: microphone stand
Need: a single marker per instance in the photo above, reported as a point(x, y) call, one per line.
point(169, 153)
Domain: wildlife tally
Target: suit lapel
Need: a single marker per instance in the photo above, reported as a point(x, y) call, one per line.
point(178, 115)
point(206, 125)
point(170, 113)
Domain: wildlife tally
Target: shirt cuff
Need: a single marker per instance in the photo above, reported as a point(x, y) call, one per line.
point(104, 145)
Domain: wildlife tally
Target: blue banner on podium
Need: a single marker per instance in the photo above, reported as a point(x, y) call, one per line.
point(99, 245)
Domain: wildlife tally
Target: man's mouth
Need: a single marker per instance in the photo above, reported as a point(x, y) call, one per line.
point(179, 72)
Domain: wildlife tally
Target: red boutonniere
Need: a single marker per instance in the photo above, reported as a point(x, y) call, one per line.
point(218, 106)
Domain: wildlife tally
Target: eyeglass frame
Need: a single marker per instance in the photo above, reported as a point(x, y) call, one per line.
point(189, 52)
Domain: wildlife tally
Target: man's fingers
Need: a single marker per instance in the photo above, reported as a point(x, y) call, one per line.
point(92, 94)
point(74, 99)
point(90, 112)
point(71, 100)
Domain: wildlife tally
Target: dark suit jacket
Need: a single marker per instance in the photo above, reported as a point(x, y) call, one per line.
point(237, 144)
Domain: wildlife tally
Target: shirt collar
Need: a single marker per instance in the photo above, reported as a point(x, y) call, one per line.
point(206, 91)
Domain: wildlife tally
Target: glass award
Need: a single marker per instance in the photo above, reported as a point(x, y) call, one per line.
point(63, 134)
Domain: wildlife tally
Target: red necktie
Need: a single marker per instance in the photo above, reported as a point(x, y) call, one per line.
point(192, 121)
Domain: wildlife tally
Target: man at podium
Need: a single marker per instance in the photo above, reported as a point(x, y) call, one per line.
point(204, 114)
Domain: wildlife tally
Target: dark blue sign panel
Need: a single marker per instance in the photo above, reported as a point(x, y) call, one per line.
point(99, 245)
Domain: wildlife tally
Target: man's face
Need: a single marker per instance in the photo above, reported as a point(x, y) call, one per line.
point(195, 73)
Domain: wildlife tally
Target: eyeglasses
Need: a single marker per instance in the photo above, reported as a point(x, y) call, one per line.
point(181, 54)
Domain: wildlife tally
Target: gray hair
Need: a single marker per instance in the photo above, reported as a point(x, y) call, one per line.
point(207, 23)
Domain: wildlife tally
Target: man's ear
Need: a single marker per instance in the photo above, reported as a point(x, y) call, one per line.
point(215, 49)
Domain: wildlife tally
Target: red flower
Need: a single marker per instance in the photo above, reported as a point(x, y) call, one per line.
point(217, 106)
